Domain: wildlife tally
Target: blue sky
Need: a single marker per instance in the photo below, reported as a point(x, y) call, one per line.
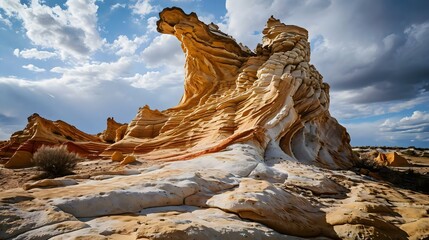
point(82, 61)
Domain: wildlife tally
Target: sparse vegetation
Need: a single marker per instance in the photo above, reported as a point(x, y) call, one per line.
point(368, 163)
point(55, 161)
point(409, 152)
point(408, 179)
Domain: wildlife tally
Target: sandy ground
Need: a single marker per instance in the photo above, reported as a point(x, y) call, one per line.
point(13, 178)
point(423, 161)
point(418, 164)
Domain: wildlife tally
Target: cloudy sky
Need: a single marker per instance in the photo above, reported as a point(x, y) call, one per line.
point(82, 61)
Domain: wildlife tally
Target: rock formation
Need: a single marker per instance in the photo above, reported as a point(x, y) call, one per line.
point(40, 131)
point(114, 131)
point(250, 152)
point(273, 99)
point(391, 159)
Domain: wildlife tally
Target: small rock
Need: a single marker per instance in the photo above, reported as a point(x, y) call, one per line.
point(128, 159)
point(117, 156)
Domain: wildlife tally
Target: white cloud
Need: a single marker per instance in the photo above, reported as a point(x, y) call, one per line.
point(414, 127)
point(5, 21)
point(151, 24)
point(418, 31)
point(417, 122)
point(89, 75)
point(33, 53)
point(394, 131)
point(165, 54)
point(207, 19)
point(164, 50)
point(124, 46)
point(143, 8)
point(343, 105)
point(156, 79)
point(77, 82)
point(84, 105)
point(33, 68)
point(16, 52)
point(117, 5)
point(71, 31)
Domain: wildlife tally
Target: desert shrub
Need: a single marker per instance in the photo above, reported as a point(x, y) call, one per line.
point(408, 179)
point(55, 161)
point(409, 152)
point(367, 163)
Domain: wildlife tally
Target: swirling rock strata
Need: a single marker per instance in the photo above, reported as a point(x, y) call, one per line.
point(273, 98)
point(258, 148)
point(40, 131)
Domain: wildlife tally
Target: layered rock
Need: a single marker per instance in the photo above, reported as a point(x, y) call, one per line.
point(114, 131)
point(256, 156)
point(40, 131)
point(273, 98)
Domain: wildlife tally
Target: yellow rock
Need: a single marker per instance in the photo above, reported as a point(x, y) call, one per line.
point(109, 135)
point(40, 131)
point(232, 95)
point(391, 159)
point(20, 159)
point(117, 156)
point(128, 159)
point(120, 132)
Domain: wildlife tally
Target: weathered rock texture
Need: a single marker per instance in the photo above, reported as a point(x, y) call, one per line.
point(114, 131)
point(391, 159)
point(40, 131)
point(273, 99)
point(256, 156)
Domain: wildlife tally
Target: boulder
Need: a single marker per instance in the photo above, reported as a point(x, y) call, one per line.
point(392, 159)
point(117, 156)
point(128, 159)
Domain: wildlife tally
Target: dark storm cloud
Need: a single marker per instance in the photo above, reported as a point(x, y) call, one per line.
point(397, 67)
point(378, 50)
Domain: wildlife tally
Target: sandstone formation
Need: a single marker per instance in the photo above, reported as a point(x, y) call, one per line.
point(128, 159)
point(273, 99)
point(117, 156)
point(40, 131)
point(250, 152)
point(391, 159)
point(114, 131)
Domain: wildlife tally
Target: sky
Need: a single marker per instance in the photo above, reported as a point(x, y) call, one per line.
point(82, 61)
